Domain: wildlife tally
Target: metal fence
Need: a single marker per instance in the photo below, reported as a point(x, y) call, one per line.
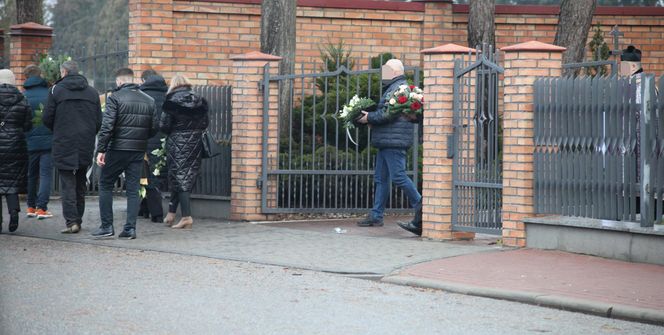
point(596, 140)
point(98, 64)
point(318, 168)
point(214, 181)
point(476, 145)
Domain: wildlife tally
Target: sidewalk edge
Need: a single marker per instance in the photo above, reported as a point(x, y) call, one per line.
point(603, 309)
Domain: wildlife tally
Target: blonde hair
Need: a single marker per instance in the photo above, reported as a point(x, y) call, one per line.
point(178, 81)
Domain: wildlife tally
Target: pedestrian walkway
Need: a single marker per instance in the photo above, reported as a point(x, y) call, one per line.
point(551, 278)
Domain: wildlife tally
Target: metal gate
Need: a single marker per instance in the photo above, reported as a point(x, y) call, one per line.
point(313, 166)
point(477, 145)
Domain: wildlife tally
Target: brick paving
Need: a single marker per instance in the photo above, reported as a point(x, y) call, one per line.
point(552, 273)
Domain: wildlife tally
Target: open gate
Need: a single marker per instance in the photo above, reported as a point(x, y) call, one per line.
point(477, 145)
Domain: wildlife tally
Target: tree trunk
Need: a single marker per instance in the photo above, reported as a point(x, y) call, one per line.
point(278, 38)
point(573, 26)
point(29, 11)
point(481, 23)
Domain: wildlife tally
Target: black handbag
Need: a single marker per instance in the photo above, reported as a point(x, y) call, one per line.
point(210, 146)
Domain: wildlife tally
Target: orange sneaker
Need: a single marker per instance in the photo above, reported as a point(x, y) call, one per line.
point(32, 212)
point(42, 214)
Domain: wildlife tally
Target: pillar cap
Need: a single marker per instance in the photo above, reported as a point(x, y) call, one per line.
point(31, 29)
point(449, 48)
point(256, 55)
point(533, 46)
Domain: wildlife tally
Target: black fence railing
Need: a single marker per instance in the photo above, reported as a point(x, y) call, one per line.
point(599, 148)
point(215, 178)
point(98, 63)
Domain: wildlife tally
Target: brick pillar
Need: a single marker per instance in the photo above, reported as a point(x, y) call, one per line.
point(27, 40)
point(151, 36)
point(437, 167)
point(523, 63)
point(247, 133)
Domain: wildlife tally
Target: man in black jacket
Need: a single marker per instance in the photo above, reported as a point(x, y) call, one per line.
point(393, 136)
point(129, 120)
point(73, 114)
point(155, 86)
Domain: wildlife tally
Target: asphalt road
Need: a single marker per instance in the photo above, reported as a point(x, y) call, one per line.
point(56, 287)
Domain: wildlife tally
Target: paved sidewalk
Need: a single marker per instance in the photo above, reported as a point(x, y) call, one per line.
point(314, 246)
point(550, 278)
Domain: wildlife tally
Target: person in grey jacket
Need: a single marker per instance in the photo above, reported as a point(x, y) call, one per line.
point(393, 136)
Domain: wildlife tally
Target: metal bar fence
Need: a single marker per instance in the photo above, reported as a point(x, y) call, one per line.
point(596, 139)
point(318, 168)
point(477, 144)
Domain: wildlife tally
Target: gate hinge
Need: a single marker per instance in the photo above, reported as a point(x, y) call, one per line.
point(259, 183)
point(260, 86)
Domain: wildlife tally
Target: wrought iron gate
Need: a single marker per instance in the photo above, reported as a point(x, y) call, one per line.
point(309, 163)
point(477, 145)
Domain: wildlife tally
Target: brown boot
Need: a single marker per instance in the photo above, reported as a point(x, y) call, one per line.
point(169, 219)
point(185, 223)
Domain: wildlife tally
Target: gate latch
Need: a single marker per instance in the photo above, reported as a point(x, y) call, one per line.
point(259, 183)
point(451, 145)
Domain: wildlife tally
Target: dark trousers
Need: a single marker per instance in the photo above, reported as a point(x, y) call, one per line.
point(40, 175)
point(391, 165)
point(72, 190)
point(152, 202)
point(131, 163)
point(12, 203)
point(183, 199)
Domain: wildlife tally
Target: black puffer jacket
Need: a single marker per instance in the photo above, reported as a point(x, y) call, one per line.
point(184, 120)
point(129, 120)
point(388, 131)
point(15, 120)
point(155, 87)
point(73, 113)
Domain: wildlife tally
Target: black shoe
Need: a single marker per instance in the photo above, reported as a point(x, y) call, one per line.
point(103, 232)
point(73, 229)
point(411, 227)
point(158, 219)
point(370, 222)
point(128, 233)
point(13, 221)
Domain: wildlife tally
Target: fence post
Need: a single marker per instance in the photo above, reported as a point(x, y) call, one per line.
point(26, 41)
point(151, 38)
point(523, 63)
point(247, 132)
point(437, 130)
point(647, 136)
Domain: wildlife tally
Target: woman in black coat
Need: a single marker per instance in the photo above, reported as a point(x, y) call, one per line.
point(15, 120)
point(184, 119)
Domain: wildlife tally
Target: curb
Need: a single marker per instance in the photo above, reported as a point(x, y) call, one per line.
point(608, 310)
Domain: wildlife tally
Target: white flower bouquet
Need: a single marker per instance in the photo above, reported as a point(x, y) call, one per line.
point(353, 110)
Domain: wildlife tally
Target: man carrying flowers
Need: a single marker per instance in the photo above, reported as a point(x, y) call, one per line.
point(392, 134)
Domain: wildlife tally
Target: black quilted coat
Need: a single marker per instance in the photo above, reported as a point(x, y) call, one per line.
point(184, 120)
point(16, 114)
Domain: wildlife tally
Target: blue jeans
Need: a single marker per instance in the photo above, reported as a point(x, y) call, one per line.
point(40, 170)
point(391, 165)
point(131, 163)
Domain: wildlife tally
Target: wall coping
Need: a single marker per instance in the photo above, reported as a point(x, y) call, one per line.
point(533, 46)
point(256, 55)
point(449, 48)
point(554, 10)
point(30, 29)
point(339, 4)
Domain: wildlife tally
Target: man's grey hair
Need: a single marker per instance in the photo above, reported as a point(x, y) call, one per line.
point(70, 66)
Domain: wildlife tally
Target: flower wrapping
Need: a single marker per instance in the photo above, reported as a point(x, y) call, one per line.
point(353, 110)
point(407, 100)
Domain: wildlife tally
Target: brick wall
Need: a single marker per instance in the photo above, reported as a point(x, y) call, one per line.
point(199, 37)
point(26, 41)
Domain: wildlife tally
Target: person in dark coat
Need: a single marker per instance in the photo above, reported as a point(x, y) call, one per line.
point(15, 120)
point(184, 120)
point(393, 136)
point(155, 86)
point(129, 121)
point(40, 167)
point(73, 114)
